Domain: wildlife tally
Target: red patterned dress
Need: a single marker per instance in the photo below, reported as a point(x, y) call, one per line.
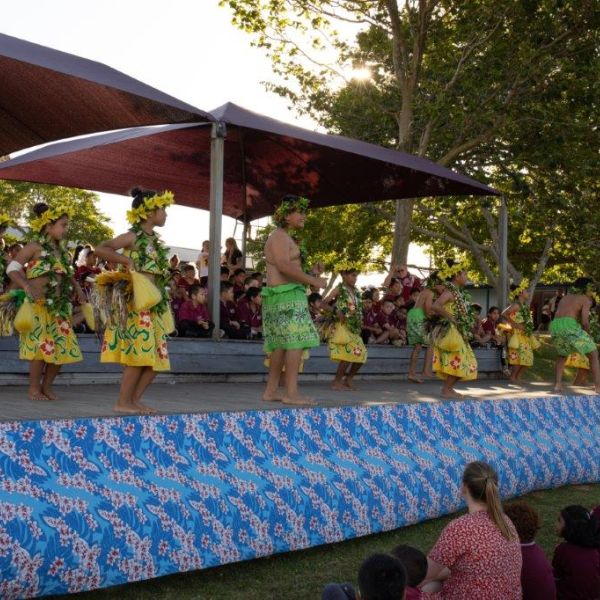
point(483, 564)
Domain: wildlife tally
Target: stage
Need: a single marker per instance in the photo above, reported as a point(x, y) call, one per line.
point(89, 499)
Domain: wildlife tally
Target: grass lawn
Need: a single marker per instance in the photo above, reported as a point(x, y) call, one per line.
point(302, 575)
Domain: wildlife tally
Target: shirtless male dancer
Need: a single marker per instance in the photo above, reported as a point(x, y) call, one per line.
point(569, 331)
point(287, 327)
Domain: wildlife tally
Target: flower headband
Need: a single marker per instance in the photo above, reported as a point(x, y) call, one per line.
point(450, 271)
point(289, 206)
point(50, 215)
point(5, 220)
point(149, 205)
point(524, 285)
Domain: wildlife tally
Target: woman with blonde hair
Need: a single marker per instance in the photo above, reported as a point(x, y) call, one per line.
point(232, 257)
point(477, 555)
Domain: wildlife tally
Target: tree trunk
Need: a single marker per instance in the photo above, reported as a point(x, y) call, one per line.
point(402, 230)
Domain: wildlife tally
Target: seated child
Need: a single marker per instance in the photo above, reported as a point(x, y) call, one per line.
point(576, 561)
point(230, 323)
point(387, 322)
point(250, 313)
point(315, 301)
point(480, 337)
point(239, 278)
point(382, 577)
point(537, 579)
point(370, 327)
point(415, 564)
point(193, 319)
point(188, 277)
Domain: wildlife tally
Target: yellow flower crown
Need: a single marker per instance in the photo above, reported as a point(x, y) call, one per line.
point(5, 220)
point(524, 285)
point(49, 216)
point(450, 272)
point(149, 205)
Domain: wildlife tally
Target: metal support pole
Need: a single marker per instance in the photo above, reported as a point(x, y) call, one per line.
point(503, 263)
point(244, 240)
point(217, 161)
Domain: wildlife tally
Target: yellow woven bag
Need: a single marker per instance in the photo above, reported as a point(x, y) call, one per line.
point(88, 313)
point(24, 318)
point(145, 293)
point(451, 341)
point(168, 321)
point(341, 335)
point(513, 341)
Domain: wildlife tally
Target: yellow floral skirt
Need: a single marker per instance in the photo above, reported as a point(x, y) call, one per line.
point(352, 351)
point(51, 339)
point(578, 361)
point(142, 343)
point(461, 363)
point(522, 353)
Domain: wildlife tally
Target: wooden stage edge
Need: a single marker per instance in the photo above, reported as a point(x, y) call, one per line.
point(86, 401)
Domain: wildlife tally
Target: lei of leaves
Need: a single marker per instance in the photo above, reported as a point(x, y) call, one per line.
point(463, 313)
point(527, 320)
point(142, 256)
point(351, 307)
point(295, 235)
point(57, 294)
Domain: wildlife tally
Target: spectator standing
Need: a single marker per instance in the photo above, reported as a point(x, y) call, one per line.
point(537, 579)
point(174, 263)
point(202, 263)
point(576, 561)
point(232, 258)
point(408, 281)
point(477, 555)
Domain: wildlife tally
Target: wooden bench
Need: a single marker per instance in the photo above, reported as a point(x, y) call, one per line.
point(227, 360)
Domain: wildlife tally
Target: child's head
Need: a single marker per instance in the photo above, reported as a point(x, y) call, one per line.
point(493, 313)
point(205, 245)
point(315, 300)
point(414, 561)
point(387, 307)
point(578, 526)
point(224, 273)
point(367, 299)
point(395, 286)
point(376, 295)
point(197, 293)
point(476, 308)
point(239, 275)
point(349, 276)
point(399, 301)
point(382, 577)
point(188, 271)
point(253, 296)
point(401, 312)
point(525, 519)
point(414, 294)
point(259, 277)
point(250, 282)
point(226, 291)
point(174, 261)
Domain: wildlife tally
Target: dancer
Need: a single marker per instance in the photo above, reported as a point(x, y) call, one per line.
point(141, 344)
point(570, 330)
point(417, 325)
point(520, 336)
point(44, 271)
point(453, 358)
point(346, 345)
point(287, 327)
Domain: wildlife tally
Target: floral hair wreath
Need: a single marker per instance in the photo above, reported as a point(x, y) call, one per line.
point(49, 216)
point(289, 206)
point(5, 220)
point(149, 205)
point(524, 285)
point(450, 271)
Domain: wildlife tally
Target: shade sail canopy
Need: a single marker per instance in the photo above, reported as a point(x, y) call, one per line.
point(264, 159)
point(46, 95)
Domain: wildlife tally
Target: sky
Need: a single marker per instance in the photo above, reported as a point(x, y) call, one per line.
point(186, 48)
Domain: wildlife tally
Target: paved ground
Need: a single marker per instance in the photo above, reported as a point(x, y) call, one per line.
point(97, 400)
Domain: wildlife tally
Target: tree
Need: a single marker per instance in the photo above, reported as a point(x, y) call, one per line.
point(497, 87)
point(88, 225)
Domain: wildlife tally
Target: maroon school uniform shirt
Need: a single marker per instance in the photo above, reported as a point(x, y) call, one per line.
point(577, 572)
point(408, 283)
point(228, 312)
point(384, 320)
point(489, 326)
point(537, 579)
point(413, 594)
point(370, 318)
point(189, 312)
point(247, 316)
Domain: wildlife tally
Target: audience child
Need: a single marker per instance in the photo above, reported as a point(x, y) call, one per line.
point(260, 278)
point(229, 319)
point(86, 268)
point(239, 277)
point(193, 319)
point(188, 277)
point(537, 579)
point(490, 322)
point(576, 561)
point(393, 290)
point(477, 555)
point(249, 312)
point(225, 274)
point(315, 302)
point(177, 294)
point(370, 327)
point(412, 298)
point(251, 282)
point(480, 337)
point(382, 577)
point(415, 564)
point(173, 263)
point(387, 322)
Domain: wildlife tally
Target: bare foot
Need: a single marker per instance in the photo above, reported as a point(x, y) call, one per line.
point(298, 400)
point(145, 410)
point(349, 385)
point(126, 410)
point(49, 394)
point(452, 394)
point(415, 379)
point(338, 386)
point(558, 389)
point(427, 375)
point(276, 397)
point(37, 395)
